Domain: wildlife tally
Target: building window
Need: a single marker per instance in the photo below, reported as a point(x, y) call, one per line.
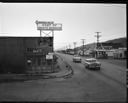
point(120, 55)
point(29, 49)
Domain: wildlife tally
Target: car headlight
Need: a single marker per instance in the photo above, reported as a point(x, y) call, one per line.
point(99, 64)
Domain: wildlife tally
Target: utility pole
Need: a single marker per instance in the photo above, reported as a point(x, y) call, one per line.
point(83, 45)
point(97, 47)
point(66, 49)
point(69, 46)
point(53, 41)
point(74, 47)
point(97, 36)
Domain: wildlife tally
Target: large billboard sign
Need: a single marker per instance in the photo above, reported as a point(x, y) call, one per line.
point(57, 26)
point(48, 25)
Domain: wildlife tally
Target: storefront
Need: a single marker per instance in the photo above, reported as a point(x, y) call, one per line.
point(101, 54)
point(120, 53)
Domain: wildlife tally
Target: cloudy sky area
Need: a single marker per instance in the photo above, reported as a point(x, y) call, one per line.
point(79, 20)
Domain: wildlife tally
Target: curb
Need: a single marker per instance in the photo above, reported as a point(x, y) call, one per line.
point(68, 74)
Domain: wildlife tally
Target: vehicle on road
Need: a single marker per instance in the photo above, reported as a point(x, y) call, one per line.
point(76, 58)
point(92, 63)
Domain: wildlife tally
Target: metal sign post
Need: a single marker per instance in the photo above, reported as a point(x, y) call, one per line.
point(48, 26)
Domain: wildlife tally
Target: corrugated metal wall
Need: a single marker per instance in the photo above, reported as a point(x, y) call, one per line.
point(12, 54)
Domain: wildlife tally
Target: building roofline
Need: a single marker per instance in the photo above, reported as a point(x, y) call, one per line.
point(21, 36)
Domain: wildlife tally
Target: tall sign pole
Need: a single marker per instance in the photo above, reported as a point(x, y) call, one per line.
point(48, 26)
point(40, 33)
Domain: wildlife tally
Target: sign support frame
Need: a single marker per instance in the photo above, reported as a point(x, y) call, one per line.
point(51, 31)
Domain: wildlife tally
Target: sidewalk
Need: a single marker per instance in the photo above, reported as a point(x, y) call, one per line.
point(65, 70)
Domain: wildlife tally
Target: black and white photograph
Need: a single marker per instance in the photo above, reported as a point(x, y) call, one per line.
point(63, 52)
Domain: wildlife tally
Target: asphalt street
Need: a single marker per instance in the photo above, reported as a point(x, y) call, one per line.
point(85, 85)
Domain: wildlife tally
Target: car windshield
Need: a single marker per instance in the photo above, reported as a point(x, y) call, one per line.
point(76, 55)
point(91, 60)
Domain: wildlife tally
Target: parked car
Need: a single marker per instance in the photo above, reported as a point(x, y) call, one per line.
point(76, 58)
point(92, 63)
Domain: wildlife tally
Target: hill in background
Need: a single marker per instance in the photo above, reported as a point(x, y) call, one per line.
point(115, 43)
point(119, 40)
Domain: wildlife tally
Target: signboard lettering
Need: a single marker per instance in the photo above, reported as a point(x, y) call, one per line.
point(43, 25)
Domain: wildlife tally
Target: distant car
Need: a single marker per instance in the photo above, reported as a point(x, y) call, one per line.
point(92, 63)
point(76, 58)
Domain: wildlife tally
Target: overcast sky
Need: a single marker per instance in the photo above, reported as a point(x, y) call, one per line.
point(79, 20)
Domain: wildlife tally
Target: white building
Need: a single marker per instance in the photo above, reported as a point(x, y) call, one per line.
point(110, 53)
point(120, 53)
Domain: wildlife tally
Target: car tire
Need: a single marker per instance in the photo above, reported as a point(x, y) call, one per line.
point(87, 66)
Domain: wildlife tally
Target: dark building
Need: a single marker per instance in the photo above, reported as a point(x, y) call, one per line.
point(18, 54)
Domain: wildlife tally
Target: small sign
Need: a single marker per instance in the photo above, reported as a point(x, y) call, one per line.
point(49, 56)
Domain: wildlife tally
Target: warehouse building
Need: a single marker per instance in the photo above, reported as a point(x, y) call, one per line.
point(19, 54)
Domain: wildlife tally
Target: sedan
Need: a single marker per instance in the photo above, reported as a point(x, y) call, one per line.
point(92, 63)
point(76, 58)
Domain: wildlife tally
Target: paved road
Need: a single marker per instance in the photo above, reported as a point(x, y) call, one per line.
point(84, 86)
point(109, 84)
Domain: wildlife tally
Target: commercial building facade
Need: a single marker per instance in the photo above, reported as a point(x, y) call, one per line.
point(19, 54)
point(120, 53)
